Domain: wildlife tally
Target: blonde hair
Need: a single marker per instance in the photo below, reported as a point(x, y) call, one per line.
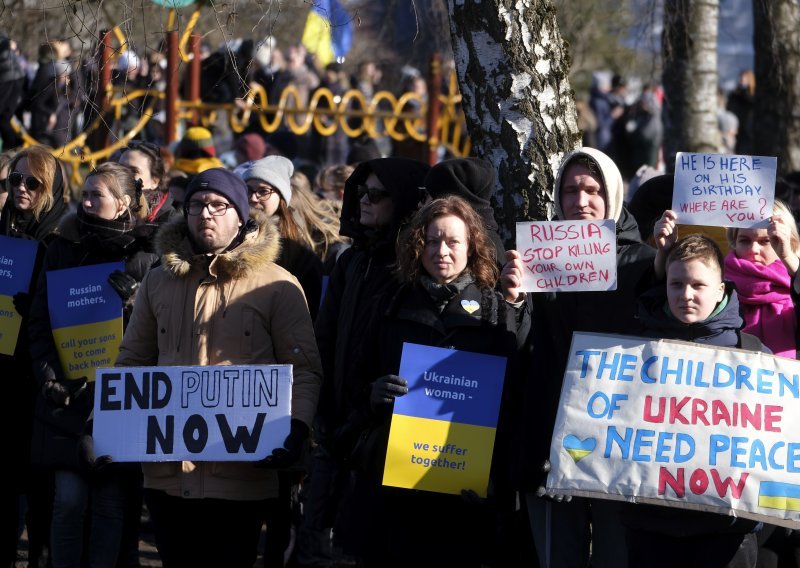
point(317, 219)
point(120, 181)
point(335, 175)
point(732, 233)
point(42, 165)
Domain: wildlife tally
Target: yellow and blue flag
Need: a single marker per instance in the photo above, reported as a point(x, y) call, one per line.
point(16, 268)
point(329, 31)
point(443, 430)
point(776, 495)
point(86, 318)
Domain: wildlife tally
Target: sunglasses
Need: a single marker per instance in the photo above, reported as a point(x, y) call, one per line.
point(31, 183)
point(374, 194)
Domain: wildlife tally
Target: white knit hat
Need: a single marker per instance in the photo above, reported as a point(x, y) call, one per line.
point(274, 170)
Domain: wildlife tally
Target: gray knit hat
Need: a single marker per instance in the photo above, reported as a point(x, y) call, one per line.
point(276, 171)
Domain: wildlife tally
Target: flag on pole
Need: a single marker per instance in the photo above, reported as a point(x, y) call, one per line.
point(329, 31)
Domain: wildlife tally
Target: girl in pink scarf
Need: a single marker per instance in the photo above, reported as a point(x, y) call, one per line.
point(762, 264)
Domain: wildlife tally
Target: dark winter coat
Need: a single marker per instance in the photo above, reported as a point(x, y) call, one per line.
point(304, 265)
point(57, 429)
point(720, 330)
point(412, 316)
point(20, 388)
point(556, 317)
point(362, 275)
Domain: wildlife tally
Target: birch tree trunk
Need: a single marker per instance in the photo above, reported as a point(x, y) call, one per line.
point(689, 48)
point(777, 101)
point(513, 70)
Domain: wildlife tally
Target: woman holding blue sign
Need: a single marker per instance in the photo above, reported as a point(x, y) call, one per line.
point(448, 300)
point(30, 217)
point(103, 231)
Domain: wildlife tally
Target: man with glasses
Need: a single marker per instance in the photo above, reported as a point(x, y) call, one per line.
point(218, 298)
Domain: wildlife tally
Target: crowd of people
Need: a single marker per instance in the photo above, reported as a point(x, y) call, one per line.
point(259, 259)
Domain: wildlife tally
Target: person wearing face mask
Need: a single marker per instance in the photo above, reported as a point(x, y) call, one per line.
point(104, 229)
point(35, 205)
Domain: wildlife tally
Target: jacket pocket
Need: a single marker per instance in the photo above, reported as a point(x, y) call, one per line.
point(244, 471)
point(161, 470)
point(254, 336)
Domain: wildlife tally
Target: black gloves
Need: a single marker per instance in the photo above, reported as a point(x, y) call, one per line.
point(541, 491)
point(292, 450)
point(22, 303)
point(61, 394)
point(124, 284)
point(385, 389)
point(86, 458)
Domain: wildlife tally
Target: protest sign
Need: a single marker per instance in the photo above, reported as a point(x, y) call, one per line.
point(86, 318)
point(723, 190)
point(568, 256)
point(216, 413)
point(16, 269)
point(679, 424)
point(443, 430)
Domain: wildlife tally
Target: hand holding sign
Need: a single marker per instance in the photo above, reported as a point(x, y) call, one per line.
point(665, 233)
point(385, 389)
point(511, 276)
point(292, 450)
point(780, 237)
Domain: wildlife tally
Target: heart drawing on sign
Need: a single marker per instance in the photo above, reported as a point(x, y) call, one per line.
point(577, 448)
point(470, 306)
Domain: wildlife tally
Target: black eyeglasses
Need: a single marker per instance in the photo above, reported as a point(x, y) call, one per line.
point(261, 192)
point(31, 183)
point(216, 208)
point(147, 147)
point(374, 194)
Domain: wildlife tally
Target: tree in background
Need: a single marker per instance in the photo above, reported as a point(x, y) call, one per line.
point(689, 51)
point(777, 100)
point(513, 71)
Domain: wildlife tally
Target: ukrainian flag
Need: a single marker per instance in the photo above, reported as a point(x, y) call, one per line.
point(329, 31)
point(783, 496)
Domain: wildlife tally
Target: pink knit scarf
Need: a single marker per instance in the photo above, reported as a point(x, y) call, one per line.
point(767, 307)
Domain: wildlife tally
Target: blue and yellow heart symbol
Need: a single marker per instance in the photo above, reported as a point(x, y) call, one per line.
point(577, 448)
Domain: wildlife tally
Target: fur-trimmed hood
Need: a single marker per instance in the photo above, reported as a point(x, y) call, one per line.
point(261, 245)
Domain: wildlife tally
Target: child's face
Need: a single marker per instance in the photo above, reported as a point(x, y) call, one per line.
point(754, 245)
point(693, 290)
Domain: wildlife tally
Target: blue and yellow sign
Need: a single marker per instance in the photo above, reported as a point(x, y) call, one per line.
point(86, 317)
point(16, 268)
point(443, 430)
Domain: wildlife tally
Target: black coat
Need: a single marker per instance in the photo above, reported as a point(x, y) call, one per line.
point(556, 317)
point(57, 429)
point(304, 265)
point(412, 316)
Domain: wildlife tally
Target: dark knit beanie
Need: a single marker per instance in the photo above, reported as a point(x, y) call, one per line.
point(227, 184)
point(469, 178)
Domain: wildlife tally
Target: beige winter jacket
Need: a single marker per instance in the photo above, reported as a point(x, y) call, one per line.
point(235, 308)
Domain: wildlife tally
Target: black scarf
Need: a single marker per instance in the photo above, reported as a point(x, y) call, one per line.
point(104, 228)
point(441, 294)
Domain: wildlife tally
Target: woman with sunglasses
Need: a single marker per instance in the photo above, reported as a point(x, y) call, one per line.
point(270, 189)
point(378, 197)
point(104, 229)
point(144, 158)
point(35, 205)
point(447, 264)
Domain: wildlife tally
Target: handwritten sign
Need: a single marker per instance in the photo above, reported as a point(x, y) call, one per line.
point(224, 413)
point(443, 430)
point(86, 318)
point(16, 269)
point(568, 256)
point(723, 190)
point(681, 425)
